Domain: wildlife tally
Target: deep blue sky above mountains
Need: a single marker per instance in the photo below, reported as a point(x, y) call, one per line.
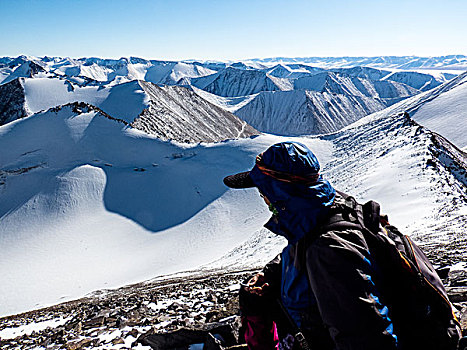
point(204, 29)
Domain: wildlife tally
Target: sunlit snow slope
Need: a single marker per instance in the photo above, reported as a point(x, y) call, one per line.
point(87, 203)
point(447, 113)
point(31, 95)
point(305, 112)
point(442, 110)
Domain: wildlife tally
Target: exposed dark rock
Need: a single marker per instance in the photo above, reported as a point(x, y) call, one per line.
point(118, 341)
point(79, 344)
point(12, 102)
point(458, 294)
point(94, 322)
point(184, 337)
point(177, 113)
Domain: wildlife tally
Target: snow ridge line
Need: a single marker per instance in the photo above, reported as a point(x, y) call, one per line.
point(450, 156)
point(436, 92)
point(83, 107)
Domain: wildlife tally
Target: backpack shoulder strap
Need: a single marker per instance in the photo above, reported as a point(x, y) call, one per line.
point(346, 213)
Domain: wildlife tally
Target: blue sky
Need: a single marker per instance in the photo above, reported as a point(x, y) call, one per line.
point(182, 29)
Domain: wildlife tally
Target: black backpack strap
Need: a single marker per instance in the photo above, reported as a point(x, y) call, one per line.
point(341, 216)
point(371, 216)
point(345, 213)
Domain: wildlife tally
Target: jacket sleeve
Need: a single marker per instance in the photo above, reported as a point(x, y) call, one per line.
point(272, 273)
point(339, 270)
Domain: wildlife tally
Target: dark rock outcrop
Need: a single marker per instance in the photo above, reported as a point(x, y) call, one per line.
point(12, 101)
point(177, 113)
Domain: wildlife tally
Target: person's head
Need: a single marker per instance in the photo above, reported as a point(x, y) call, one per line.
point(290, 163)
point(287, 176)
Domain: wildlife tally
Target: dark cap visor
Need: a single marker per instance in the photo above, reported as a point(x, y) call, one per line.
point(240, 180)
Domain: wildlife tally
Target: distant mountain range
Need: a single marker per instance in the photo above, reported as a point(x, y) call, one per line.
point(455, 62)
point(283, 96)
point(168, 112)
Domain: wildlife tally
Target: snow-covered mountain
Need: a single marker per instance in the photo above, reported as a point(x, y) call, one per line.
point(20, 68)
point(177, 113)
point(27, 96)
point(442, 110)
point(104, 70)
point(170, 112)
point(450, 62)
point(233, 82)
point(320, 103)
point(171, 73)
point(88, 203)
point(113, 86)
point(387, 91)
point(363, 72)
point(419, 81)
point(291, 71)
point(302, 112)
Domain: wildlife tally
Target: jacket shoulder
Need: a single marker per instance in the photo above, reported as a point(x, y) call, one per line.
point(348, 242)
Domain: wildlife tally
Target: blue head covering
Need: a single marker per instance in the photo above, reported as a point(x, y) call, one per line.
point(280, 174)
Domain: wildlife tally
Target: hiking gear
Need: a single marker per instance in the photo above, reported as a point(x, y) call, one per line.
point(290, 162)
point(297, 333)
point(298, 205)
point(240, 180)
point(260, 333)
point(407, 282)
point(463, 343)
point(304, 176)
point(351, 318)
point(347, 300)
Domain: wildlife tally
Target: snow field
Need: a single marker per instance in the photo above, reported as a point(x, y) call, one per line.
point(125, 101)
point(108, 206)
point(447, 115)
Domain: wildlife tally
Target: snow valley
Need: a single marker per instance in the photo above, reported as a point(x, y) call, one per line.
point(111, 170)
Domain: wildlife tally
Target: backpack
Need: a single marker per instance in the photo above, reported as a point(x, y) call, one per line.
point(419, 307)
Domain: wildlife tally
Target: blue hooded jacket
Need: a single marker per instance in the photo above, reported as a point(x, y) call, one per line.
point(298, 208)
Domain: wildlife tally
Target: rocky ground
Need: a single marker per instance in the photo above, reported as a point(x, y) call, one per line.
point(120, 319)
point(180, 309)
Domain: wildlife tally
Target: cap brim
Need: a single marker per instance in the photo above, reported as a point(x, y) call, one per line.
point(240, 180)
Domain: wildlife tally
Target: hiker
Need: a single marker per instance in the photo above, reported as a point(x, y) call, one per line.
point(321, 286)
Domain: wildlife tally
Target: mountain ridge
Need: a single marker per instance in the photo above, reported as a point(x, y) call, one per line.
point(169, 112)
